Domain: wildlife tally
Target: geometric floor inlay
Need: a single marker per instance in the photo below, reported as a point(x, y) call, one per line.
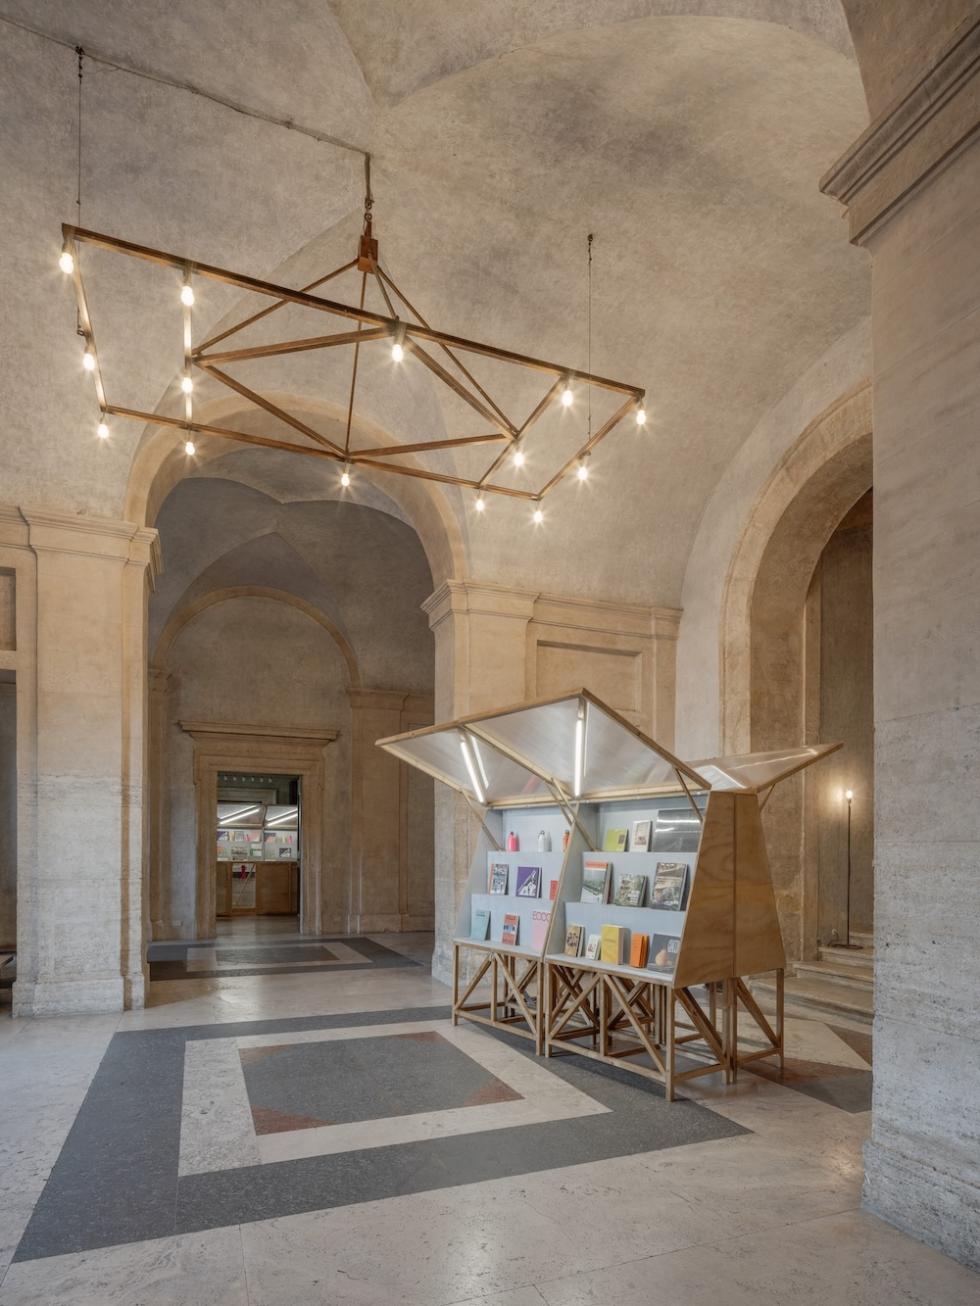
point(202, 1127)
point(179, 961)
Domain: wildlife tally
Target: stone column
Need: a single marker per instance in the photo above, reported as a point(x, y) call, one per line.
point(481, 663)
point(381, 849)
point(912, 187)
point(158, 803)
point(80, 881)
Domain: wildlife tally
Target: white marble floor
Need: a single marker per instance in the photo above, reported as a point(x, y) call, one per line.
point(769, 1216)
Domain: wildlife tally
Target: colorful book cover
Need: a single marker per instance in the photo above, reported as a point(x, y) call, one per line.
point(479, 923)
point(595, 880)
point(540, 920)
point(286, 853)
point(498, 877)
point(669, 886)
point(615, 841)
point(639, 949)
point(528, 882)
point(573, 940)
point(663, 953)
point(512, 924)
point(641, 836)
point(592, 947)
point(631, 890)
point(553, 890)
point(613, 946)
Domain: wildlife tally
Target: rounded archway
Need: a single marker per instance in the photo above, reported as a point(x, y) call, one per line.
point(764, 681)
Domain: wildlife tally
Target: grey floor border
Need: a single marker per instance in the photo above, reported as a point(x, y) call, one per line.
point(116, 1179)
point(165, 958)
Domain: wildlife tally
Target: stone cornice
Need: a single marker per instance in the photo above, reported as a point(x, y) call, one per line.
point(52, 531)
point(912, 138)
point(290, 734)
point(595, 615)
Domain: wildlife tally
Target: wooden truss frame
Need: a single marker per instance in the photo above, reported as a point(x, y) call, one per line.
point(412, 332)
point(510, 1005)
point(600, 1013)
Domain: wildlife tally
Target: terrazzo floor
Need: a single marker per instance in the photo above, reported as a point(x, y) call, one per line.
point(517, 1184)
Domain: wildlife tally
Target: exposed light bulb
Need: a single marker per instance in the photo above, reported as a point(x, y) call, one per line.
point(537, 516)
point(583, 471)
point(190, 448)
point(518, 457)
point(102, 430)
point(345, 478)
point(88, 361)
point(641, 417)
point(187, 294)
point(567, 397)
point(397, 352)
point(186, 384)
point(848, 794)
point(66, 262)
point(480, 504)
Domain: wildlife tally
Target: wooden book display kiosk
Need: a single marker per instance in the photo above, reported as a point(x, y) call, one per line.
point(574, 785)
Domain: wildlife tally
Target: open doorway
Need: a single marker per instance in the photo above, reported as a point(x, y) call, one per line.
point(258, 847)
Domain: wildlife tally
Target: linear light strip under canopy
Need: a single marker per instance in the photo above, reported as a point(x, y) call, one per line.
point(407, 336)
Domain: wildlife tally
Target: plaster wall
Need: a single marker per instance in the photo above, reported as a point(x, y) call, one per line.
point(8, 813)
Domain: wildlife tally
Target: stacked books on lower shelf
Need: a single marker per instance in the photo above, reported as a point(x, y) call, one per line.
point(631, 911)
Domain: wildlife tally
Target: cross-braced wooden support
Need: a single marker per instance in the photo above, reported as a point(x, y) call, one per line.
point(505, 991)
point(643, 1024)
point(772, 1035)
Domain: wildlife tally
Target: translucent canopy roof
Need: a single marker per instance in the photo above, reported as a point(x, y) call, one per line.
point(755, 771)
point(574, 748)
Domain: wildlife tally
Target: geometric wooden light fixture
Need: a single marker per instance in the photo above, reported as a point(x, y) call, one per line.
point(402, 330)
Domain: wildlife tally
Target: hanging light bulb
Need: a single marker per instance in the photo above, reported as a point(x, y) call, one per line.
point(397, 351)
point(88, 360)
point(537, 516)
point(345, 476)
point(187, 294)
point(186, 384)
point(641, 417)
point(583, 471)
point(190, 448)
point(518, 457)
point(567, 397)
point(67, 262)
point(102, 430)
point(481, 504)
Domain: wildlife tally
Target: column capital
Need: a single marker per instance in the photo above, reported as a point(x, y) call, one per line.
point(52, 531)
point(479, 598)
point(907, 143)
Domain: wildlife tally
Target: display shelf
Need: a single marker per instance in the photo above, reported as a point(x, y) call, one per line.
point(605, 775)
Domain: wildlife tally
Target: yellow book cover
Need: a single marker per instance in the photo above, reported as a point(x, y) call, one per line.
point(610, 949)
point(639, 949)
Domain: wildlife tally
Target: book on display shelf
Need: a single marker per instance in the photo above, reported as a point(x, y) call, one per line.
point(512, 924)
point(573, 940)
point(595, 880)
point(480, 924)
point(615, 944)
point(540, 920)
point(528, 882)
point(664, 949)
point(498, 877)
point(615, 840)
point(669, 886)
point(640, 843)
point(631, 890)
point(592, 947)
point(639, 949)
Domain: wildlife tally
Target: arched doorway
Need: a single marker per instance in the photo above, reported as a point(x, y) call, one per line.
point(772, 656)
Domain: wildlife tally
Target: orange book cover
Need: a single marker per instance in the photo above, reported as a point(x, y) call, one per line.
point(639, 949)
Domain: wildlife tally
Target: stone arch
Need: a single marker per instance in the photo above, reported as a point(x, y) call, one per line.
point(159, 464)
point(763, 656)
point(186, 613)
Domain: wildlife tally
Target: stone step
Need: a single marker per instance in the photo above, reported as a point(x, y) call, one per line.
point(858, 957)
point(847, 975)
point(806, 996)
